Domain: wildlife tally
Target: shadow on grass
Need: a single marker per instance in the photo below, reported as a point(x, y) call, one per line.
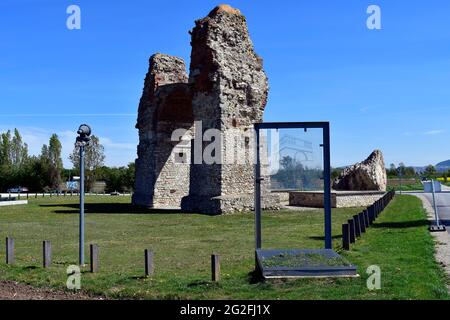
point(108, 208)
point(323, 238)
point(255, 277)
point(30, 267)
point(402, 225)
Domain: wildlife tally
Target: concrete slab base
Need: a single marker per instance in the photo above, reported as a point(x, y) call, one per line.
point(13, 203)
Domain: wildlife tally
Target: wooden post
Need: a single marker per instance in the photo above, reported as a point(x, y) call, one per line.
point(362, 222)
point(94, 258)
point(47, 254)
point(345, 237)
point(357, 226)
point(10, 259)
point(215, 267)
point(366, 218)
point(351, 224)
point(149, 266)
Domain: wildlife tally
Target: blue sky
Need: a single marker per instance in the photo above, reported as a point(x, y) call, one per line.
point(386, 89)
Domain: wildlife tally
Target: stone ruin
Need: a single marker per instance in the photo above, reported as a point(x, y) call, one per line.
point(226, 89)
point(369, 175)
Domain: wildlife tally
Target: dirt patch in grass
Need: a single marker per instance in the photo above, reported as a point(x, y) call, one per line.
point(11, 290)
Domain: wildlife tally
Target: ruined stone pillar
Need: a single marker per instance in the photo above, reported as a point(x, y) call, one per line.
point(164, 107)
point(229, 93)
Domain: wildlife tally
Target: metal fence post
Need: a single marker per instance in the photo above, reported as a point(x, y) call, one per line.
point(357, 226)
point(345, 237)
point(351, 224)
point(362, 222)
point(366, 218)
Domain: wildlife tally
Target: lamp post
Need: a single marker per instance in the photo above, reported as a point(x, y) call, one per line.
point(82, 141)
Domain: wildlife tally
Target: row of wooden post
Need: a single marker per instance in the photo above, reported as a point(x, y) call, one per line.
point(359, 224)
point(94, 259)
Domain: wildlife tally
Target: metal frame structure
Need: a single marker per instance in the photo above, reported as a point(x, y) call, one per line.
point(325, 126)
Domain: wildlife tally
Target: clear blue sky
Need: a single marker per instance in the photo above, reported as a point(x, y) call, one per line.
point(387, 89)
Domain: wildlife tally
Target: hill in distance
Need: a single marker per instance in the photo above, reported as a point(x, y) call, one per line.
point(444, 164)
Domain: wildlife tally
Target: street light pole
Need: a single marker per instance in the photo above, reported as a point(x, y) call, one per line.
point(82, 141)
point(81, 205)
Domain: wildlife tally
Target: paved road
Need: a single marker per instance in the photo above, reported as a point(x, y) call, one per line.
point(443, 205)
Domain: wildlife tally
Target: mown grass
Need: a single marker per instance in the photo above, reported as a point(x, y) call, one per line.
point(407, 187)
point(399, 243)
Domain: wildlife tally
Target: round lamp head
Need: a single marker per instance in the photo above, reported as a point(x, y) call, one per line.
point(84, 130)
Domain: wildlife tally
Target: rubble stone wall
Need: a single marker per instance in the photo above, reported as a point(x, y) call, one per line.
point(226, 90)
point(230, 92)
point(165, 106)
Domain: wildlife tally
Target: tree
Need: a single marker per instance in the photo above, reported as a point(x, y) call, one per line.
point(401, 169)
point(5, 150)
point(335, 173)
point(54, 161)
point(13, 158)
point(94, 159)
point(118, 179)
point(410, 172)
point(430, 172)
point(129, 177)
point(392, 171)
point(18, 150)
point(34, 174)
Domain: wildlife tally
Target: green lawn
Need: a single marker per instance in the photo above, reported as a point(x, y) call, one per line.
point(407, 187)
point(399, 243)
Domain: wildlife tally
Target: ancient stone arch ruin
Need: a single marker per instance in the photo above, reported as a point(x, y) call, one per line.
point(226, 90)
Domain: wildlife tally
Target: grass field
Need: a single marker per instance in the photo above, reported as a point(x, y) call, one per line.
point(399, 243)
point(407, 187)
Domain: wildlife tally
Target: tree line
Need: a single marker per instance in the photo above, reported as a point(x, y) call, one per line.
point(429, 172)
point(46, 173)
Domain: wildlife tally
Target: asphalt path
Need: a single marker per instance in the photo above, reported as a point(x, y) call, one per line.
point(442, 205)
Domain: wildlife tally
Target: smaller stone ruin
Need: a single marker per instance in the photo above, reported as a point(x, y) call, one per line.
point(369, 175)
